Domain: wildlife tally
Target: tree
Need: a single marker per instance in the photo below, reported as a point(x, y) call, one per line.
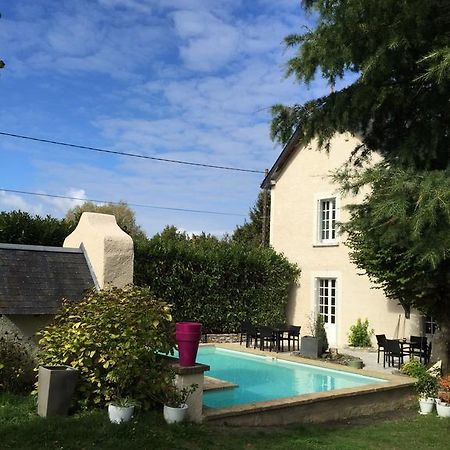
point(398, 106)
point(400, 51)
point(124, 215)
point(400, 236)
point(18, 227)
point(251, 232)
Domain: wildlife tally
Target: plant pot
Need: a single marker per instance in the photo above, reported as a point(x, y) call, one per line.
point(442, 408)
point(426, 405)
point(120, 414)
point(175, 415)
point(56, 385)
point(356, 364)
point(188, 336)
point(310, 346)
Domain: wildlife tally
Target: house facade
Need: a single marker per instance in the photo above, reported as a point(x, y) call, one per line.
point(306, 208)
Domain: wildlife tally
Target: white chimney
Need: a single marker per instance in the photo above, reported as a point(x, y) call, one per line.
point(108, 249)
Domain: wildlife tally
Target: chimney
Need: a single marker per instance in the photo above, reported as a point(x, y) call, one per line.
point(108, 249)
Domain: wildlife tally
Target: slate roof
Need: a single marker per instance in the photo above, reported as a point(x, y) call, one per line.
point(34, 279)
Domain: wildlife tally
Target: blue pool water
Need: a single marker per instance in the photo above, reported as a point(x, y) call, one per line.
point(261, 378)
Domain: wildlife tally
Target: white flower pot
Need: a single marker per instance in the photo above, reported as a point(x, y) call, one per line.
point(442, 408)
point(175, 415)
point(426, 405)
point(120, 414)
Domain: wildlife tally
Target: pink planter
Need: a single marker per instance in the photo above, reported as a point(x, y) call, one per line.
point(188, 338)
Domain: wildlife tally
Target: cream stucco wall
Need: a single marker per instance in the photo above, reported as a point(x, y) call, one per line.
point(293, 231)
point(108, 249)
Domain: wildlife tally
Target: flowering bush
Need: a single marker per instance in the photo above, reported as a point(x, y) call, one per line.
point(444, 389)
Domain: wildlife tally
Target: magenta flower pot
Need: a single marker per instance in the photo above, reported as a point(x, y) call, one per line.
point(188, 338)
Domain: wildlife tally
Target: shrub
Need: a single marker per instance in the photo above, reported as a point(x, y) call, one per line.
point(112, 337)
point(16, 365)
point(320, 332)
point(218, 283)
point(360, 335)
point(426, 384)
point(413, 368)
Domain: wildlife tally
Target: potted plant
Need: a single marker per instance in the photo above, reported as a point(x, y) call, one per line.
point(443, 399)
point(174, 401)
point(426, 384)
point(121, 410)
point(313, 346)
point(426, 387)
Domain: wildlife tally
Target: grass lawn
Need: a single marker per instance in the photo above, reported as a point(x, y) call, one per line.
point(21, 428)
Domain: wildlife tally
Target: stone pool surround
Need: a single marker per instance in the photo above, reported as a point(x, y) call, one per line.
point(337, 405)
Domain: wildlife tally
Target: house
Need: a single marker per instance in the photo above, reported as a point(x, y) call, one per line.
point(35, 279)
point(305, 208)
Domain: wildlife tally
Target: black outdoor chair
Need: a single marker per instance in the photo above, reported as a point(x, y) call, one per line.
point(394, 350)
point(294, 335)
point(419, 347)
point(266, 338)
point(249, 332)
point(381, 342)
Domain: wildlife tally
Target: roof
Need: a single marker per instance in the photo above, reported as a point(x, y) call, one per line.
point(34, 279)
point(284, 156)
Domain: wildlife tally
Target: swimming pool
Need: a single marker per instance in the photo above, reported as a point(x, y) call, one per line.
point(262, 378)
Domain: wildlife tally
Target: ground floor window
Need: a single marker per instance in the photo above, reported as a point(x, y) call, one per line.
point(430, 325)
point(327, 299)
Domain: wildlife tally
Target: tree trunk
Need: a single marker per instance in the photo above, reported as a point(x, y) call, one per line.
point(441, 347)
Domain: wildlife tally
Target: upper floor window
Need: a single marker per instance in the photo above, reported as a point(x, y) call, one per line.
point(327, 220)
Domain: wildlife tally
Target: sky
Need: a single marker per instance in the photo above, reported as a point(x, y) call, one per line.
point(180, 79)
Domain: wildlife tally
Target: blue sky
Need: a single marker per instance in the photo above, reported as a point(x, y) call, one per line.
point(179, 79)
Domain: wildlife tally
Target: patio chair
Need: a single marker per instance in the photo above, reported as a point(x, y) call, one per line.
point(266, 338)
point(381, 342)
point(249, 332)
point(294, 335)
point(419, 347)
point(394, 350)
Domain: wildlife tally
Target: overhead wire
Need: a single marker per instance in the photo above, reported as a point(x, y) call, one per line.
point(138, 205)
point(128, 154)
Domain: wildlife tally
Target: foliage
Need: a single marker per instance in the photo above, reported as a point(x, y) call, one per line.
point(125, 216)
point(16, 365)
point(413, 368)
point(18, 227)
point(112, 337)
point(251, 232)
point(220, 284)
point(320, 332)
point(397, 53)
point(124, 402)
point(175, 397)
point(426, 384)
point(23, 429)
point(360, 334)
point(444, 389)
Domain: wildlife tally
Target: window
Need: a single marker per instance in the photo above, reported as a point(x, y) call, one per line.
point(327, 220)
point(430, 325)
point(327, 299)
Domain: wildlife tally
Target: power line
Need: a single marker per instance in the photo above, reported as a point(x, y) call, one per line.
point(138, 205)
point(132, 155)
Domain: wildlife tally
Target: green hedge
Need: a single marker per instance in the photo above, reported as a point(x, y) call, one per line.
point(218, 283)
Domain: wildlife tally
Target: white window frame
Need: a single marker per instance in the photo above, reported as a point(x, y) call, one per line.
point(327, 289)
point(320, 221)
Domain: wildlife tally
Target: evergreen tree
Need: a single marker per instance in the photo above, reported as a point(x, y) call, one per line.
point(251, 232)
point(399, 107)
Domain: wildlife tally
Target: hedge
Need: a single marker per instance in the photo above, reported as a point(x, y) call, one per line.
point(216, 282)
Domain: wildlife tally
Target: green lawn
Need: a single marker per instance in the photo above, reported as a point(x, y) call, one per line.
point(21, 428)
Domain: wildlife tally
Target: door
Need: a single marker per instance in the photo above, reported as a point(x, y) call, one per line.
point(327, 307)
